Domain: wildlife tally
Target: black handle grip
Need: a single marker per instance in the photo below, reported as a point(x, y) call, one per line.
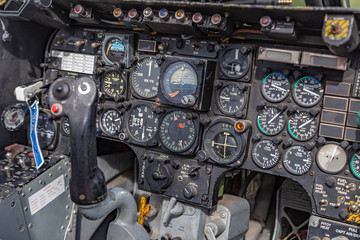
point(77, 99)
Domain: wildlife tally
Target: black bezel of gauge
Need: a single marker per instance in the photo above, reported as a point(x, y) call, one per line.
point(248, 59)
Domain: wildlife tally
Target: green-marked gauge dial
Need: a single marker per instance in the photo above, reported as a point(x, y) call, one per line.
point(222, 142)
point(271, 121)
point(142, 123)
point(115, 50)
point(13, 117)
point(231, 99)
point(266, 154)
point(355, 164)
point(331, 158)
point(275, 87)
point(179, 80)
point(110, 122)
point(113, 84)
point(302, 126)
point(307, 91)
point(145, 77)
point(177, 131)
point(45, 130)
point(297, 160)
point(65, 126)
point(234, 63)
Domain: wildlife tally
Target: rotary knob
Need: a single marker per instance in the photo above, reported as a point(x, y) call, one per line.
point(189, 191)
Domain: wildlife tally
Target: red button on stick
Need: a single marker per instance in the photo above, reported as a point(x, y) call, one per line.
point(55, 108)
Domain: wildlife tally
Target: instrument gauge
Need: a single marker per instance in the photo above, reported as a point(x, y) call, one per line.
point(179, 80)
point(142, 123)
point(231, 99)
point(307, 91)
point(13, 117)
point(266, 154)
point(234, 64)
point(145, 78)
point(222, 142)
point(65, 126)
point(46, 130)
point(331, 158)
point(177, 131)
point(270, 121)
point(302, 126)
point(355, 165)
point(110, 122)
point(275, 87)
point(297, 160)
point(115, 50)
point(113, 84)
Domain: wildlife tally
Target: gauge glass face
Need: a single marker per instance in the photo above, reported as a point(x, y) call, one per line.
point(110, 122)
point(297, 160)
point(65, 125)
point(180, 80)
point(234, 64)
point(307, 92)
point(177, 131)
point(266, 154)
point(302, 126)
point(45, 130)
point(331, 158)
point(113, 84)
point(145, 77)
point(13, 118)
point(115, 50)
point(224, 145)
point(275, 87)
point(142, 123)
point(231, 99)
point(355, 165)
point(270, 121)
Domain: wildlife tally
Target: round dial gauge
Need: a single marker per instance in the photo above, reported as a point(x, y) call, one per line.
point(355, 165)
point(180, 80)
point(65, 125)
point(177, 131)
point(113, 84)
point(302, 126)
point(115, 50)
point(145, 77)
point(142, 123)
point(223, 143)
point(234, 64)
point(110, 122)
point(307, 91)
point(275, 87)
point(271, 121)
point(231, 99)
point(266, 154)
point(45, 130)
point(297, 160)
point(331, 158)
point(13, 118)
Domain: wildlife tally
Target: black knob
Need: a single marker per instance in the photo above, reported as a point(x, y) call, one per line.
point(330, 182)
point(61, 90)
point(189, 191)
point(156, 175)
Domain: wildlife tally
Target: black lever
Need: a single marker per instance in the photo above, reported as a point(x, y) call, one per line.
point(77, 100)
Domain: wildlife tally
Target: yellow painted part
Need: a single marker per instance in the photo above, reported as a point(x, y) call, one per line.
point(354, 217)
point(143, 211)
point(344, 24)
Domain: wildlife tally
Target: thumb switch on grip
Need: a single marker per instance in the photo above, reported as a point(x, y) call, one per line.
point(77, 100)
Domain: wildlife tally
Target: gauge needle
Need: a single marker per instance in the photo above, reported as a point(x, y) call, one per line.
point(332, 156)
point(303, 125)
point(274, 118)
point(174, 94)
point(150, 69)
point(312, 93)
point(278, 87)
point(143, 133)
point(225, 98)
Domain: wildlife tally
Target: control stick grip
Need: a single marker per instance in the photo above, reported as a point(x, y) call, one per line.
point(77, 100)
